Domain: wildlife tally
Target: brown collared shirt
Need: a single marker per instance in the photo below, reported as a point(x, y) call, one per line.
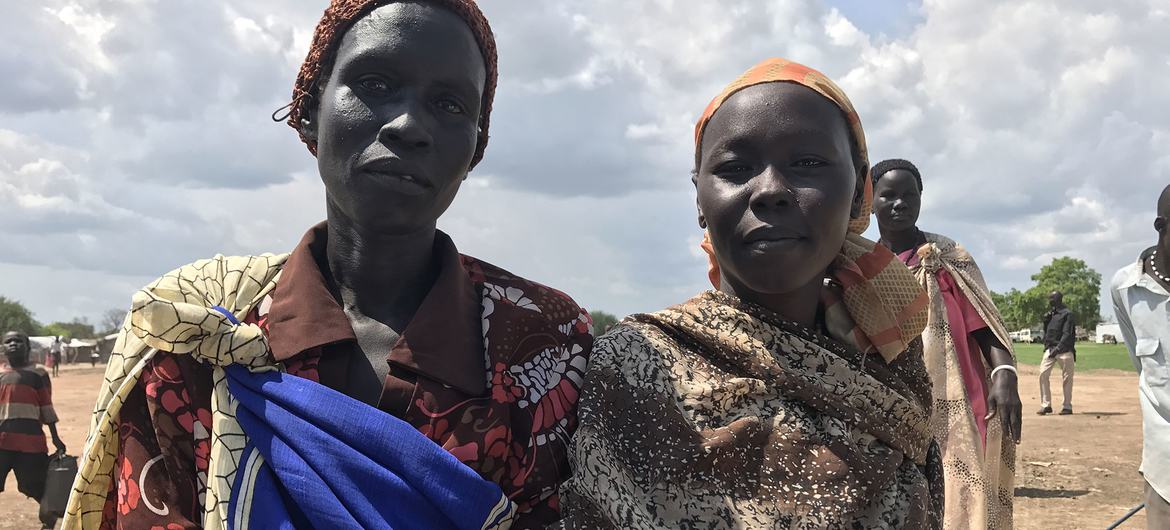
point(489, 368)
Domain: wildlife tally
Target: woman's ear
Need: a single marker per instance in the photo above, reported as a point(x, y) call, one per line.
point(699, 209)
point(308, 125)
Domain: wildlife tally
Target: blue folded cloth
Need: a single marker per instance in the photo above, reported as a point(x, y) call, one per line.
point(316, 458)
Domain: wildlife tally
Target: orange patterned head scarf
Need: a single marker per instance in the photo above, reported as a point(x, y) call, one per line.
point(785, 71)
point(879, 294)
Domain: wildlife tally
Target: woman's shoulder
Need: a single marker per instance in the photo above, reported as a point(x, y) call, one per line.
point(216, 281)
point(940, 241)
point(948, 248)
point(225, 267)
point(500, 285)
point(636, 343)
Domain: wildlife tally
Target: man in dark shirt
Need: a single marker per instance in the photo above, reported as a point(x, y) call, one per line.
point(1059, 347)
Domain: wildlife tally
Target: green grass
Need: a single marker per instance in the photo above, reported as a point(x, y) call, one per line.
point(1090, 355)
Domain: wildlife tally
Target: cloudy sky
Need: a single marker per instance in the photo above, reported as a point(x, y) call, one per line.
point(135, 134)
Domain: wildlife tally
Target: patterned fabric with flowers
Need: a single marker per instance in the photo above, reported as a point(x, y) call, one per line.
point(536, 343)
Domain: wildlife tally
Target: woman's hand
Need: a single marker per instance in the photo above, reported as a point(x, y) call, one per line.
point(1004, 401)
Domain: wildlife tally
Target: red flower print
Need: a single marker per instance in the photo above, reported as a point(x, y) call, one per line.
point(468, 452)
point(497, 442)
point(504, 387)
point(436, 430)
point(186, 421)
point(128, 492)
point(204, 417)
point(556, 404)
point(171, 400)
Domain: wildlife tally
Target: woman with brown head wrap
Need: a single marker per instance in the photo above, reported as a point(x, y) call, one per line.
point(373, 377)
point(793, 395)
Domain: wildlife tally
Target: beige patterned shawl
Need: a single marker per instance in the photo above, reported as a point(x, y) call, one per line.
point(717, 414)
point(174, 314)
point(979, 482)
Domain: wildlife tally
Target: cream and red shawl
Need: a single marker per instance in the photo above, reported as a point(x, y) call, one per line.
point(980, 481)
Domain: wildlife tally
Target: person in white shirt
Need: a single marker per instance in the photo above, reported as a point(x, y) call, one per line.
point(1141, 291)
point(56, 353)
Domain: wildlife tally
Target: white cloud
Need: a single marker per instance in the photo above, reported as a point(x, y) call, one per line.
point(136, 136)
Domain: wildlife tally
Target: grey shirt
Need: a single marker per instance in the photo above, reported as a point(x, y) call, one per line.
point(1141, 307)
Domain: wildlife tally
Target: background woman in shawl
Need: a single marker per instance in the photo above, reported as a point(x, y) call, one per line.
point(794, 395)
point(373, 377)
point(965, 344)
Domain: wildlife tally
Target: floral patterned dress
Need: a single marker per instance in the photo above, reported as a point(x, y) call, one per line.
point(489, 369)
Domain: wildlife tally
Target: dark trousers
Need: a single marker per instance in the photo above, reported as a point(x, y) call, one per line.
point(30, 468)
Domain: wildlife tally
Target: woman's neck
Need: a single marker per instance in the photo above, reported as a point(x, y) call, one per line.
point(799, 306)
point(900, 241)
point(381, 276)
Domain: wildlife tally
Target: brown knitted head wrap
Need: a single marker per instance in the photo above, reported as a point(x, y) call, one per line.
point(341, 14)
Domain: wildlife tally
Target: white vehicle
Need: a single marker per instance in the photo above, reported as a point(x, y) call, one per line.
point(1027, 335)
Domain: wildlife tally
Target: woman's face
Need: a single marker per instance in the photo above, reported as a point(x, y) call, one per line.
point(776, 184)
point(396, 122)
point(896, 200)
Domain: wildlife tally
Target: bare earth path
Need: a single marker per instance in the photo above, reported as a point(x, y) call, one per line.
point(1073, 472)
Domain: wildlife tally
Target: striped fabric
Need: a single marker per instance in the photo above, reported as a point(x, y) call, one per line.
point(879, 295)
point(25, 405)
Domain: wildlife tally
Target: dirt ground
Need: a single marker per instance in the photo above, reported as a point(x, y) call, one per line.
point(1073, 472)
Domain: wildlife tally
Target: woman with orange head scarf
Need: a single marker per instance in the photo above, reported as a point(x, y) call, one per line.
point(794, 394)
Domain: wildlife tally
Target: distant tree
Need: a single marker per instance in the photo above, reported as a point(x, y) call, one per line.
point(79, 328)
point(1081, 287)
point(15, 317)
point(54, 330)
point(1020, 309)
point(1080, 284)
point(112, 321)
point(602, 321)
point(1006, 304)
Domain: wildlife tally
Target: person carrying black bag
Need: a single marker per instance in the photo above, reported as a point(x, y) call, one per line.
point(25, 404)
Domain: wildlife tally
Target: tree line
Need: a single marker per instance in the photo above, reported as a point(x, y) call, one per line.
point(14, 316)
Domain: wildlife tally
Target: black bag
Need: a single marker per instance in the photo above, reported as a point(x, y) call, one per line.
point(58, 484)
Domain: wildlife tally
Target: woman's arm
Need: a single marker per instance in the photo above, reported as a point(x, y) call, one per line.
point(1004, 397)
